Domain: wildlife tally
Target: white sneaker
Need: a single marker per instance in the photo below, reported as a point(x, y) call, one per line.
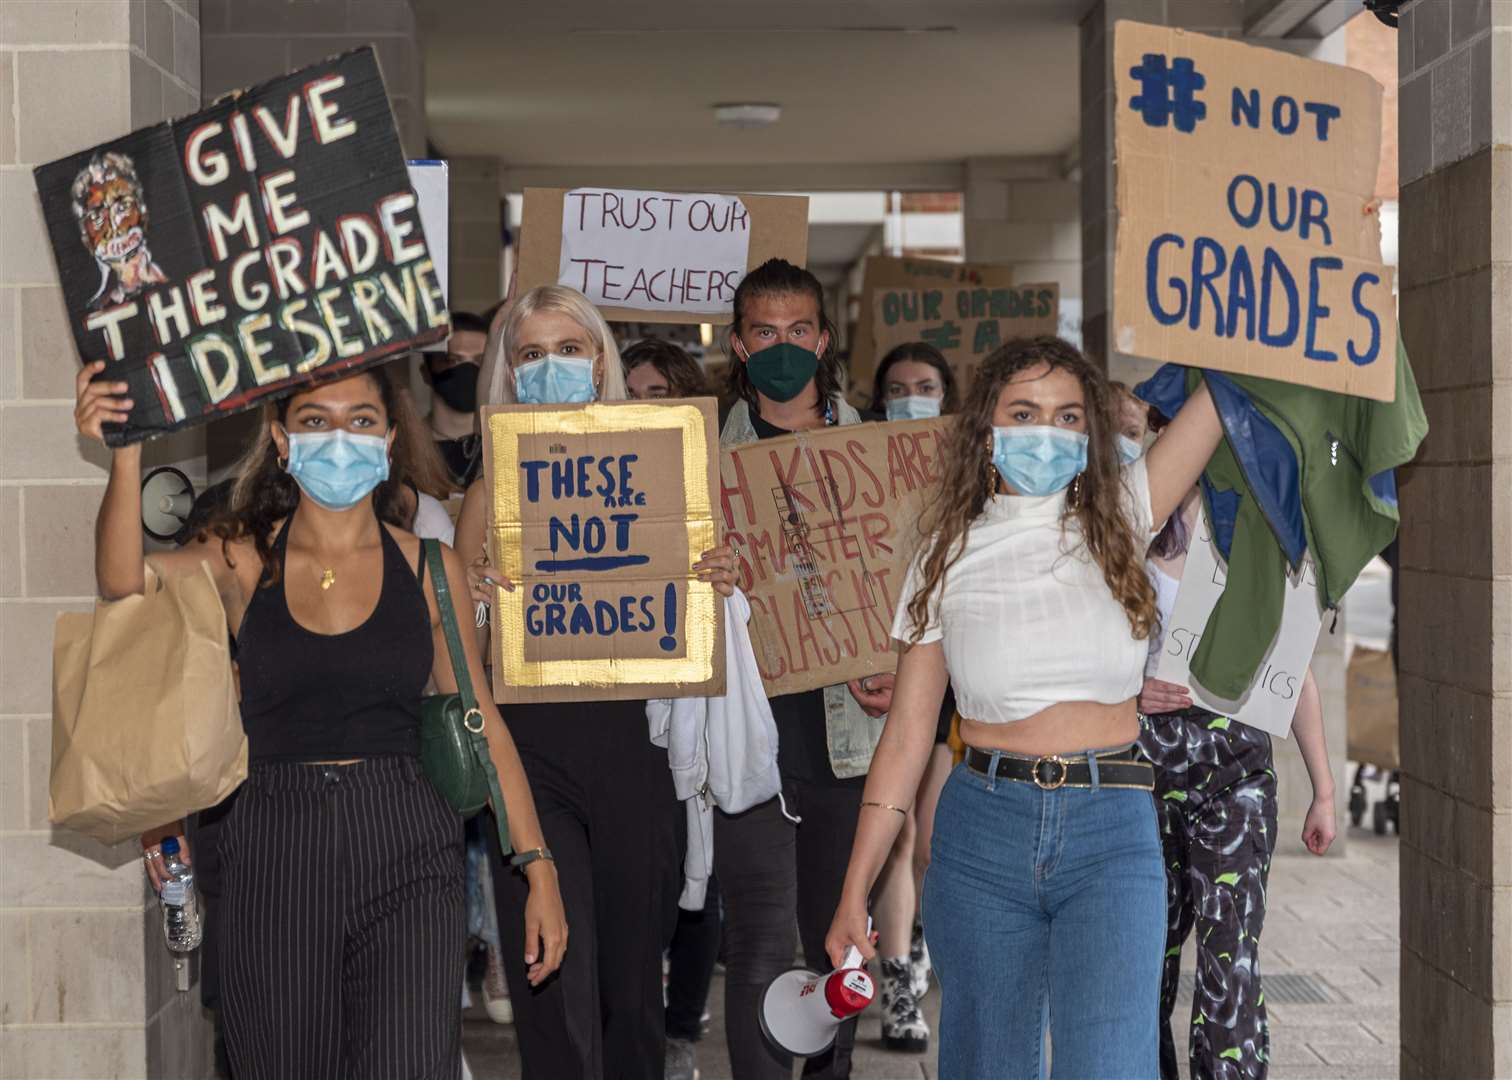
point(495, 991)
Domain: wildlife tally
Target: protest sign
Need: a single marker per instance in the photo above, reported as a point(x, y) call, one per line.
point(966, 324)
point(597, 513)
point(656, 256)
point(266, 243)
point(1272, 697)
point(909, 272)
point(826, 522)
point(1248, 237)
point(432, 185)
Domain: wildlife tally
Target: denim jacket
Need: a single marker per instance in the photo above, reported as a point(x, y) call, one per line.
point(850, 734)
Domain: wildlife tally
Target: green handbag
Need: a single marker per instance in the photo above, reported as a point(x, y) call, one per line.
point(453, 748)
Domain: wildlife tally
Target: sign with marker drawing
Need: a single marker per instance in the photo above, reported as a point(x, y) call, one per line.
point(1272, 697)
point(267, 243)
point(598, 513)
point(965, 323)
point(1249, 234)
point(826, 522)
point(656, 256)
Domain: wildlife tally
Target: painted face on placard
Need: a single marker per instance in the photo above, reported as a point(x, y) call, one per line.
point(112, 216)
point(112, 221)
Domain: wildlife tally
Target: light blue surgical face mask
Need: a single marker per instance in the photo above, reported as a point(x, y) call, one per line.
point(1036, 460)
point(1129, 451)
point(554, 380)
point(912, 407)
point(337, 469)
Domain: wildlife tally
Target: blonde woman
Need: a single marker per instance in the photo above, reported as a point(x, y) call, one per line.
point(603, 791)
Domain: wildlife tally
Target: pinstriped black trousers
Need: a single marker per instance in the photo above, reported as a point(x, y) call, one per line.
point(341, 924)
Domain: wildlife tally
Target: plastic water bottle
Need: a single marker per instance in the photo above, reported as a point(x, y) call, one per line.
point(181, 914)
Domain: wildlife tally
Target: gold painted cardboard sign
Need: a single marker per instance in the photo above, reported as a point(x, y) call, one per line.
point(1248, 234)
point(826, 523)
point(597, 513)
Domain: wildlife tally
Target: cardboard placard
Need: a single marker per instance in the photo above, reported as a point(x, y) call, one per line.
point(966, 324)
point(909, 272)
point(264, 244)
point(597, 513)
point(826, 522)
point(1372, 720)
point(1272, 697)
point(431, 181)
point(656, 256)
point(1248, 238)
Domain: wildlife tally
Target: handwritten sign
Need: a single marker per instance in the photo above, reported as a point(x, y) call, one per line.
point(598, 512)
point(656, 256)
point(966, 324)
point(826, 522)
point(1271, 699)
point(910, 272)
point(266, 243)
point(1248, 237)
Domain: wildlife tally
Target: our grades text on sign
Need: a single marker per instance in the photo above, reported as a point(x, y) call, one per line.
point(1248, 238)
point(656, 256)
point(909, 272)
point(825, 523)
point(597, 513)
point(270, 241)
point(1272, 698)
point(965, 324)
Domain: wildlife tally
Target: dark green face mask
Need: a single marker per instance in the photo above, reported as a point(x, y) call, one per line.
point(781, 371)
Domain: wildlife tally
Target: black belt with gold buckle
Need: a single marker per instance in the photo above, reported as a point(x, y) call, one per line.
point(1052, 772)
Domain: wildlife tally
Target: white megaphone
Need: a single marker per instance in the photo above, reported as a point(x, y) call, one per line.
point(801, 1011)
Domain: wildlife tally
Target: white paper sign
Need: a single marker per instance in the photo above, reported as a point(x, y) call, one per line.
point(1273, 695)
point(654, 250)
point(429, 179)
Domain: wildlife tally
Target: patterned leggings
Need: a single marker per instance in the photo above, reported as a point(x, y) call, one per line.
point(1216, 792)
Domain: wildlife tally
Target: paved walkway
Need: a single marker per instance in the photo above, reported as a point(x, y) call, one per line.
point(1332, 921)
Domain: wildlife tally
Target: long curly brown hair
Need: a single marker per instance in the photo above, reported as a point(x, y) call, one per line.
point(970, 480)
point(264, 494)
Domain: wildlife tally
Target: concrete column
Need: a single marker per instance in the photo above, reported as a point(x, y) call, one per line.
point(86, 984)
point(476, 234)
point(1024, 212)
point(1455, 67)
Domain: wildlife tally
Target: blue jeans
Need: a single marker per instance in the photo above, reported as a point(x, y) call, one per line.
point(1037, 898)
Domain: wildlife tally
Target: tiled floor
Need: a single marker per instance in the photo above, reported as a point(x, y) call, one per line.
point(1332, 919)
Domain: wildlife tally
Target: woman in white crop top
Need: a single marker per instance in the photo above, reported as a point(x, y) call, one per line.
point(1045, 893)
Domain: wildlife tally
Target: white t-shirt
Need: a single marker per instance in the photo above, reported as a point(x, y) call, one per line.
point(432, 521)
point(1026, 618)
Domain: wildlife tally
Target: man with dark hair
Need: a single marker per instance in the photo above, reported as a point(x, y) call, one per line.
point(453, 378)
point(774, 871)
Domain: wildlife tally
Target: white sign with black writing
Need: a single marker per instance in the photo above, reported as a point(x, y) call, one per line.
point(654, 250)
point(1272, 696)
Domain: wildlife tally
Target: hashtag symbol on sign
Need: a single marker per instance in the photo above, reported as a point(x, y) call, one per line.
point(1168, 92)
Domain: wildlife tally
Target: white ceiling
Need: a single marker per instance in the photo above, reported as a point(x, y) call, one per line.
point(600, 82)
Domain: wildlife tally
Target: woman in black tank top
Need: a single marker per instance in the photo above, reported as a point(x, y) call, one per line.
point(341, 919)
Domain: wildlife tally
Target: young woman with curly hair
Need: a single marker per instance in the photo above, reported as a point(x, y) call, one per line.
point(1045, 890)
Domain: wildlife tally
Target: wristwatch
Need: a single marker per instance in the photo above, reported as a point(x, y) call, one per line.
point(525, 858)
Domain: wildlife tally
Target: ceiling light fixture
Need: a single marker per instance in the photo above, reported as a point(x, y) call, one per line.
point(747, 114)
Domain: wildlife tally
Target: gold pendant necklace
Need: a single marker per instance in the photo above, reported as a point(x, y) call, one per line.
point(328, 578)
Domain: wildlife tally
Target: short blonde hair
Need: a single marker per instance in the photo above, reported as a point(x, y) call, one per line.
point(497, 379)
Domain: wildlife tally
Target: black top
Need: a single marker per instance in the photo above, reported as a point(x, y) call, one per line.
point(321, 697)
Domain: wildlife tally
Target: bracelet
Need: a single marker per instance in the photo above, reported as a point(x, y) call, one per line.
point(886, 806)
point(525, 858)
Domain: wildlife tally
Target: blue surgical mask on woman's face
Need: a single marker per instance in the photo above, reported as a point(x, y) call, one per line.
point(913, 407)
point(337, 469)
point(1036, 460)
point(555, 380)
point(1129, 450)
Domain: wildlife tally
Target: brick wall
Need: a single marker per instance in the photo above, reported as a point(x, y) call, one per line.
point(86, 985)
point(1455, 67)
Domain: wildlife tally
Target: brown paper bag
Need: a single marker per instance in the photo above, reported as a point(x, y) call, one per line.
point(1371, 701)
point(145, 722)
